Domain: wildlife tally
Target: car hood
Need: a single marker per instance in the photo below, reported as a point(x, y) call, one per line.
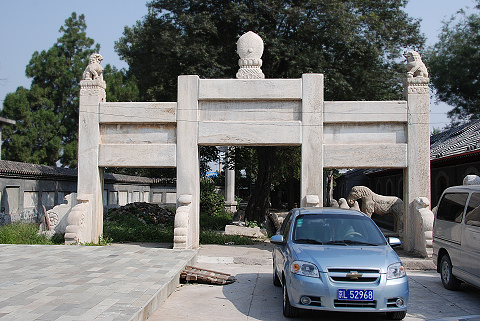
point(339, 256)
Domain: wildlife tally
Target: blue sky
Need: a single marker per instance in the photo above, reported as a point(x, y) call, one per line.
point(32, 25)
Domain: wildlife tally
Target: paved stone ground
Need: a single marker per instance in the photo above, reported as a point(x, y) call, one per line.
point(118, 282)
point(253, 296)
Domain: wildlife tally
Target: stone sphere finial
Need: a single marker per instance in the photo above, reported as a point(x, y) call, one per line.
point(250, 50)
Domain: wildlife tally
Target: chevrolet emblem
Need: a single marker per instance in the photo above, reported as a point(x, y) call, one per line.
point(354, 275)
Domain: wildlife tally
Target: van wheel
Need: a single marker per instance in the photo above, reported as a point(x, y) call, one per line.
point(397, 315)
point(449, 280)
point(288, 310)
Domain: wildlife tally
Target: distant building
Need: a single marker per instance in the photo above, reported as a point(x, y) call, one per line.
point(26, 188)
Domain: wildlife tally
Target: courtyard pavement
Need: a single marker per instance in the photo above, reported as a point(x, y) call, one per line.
point(131, 281)
point(68, 283)
point(253, 296)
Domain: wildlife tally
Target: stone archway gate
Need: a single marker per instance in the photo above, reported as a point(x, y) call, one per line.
point(247, 112)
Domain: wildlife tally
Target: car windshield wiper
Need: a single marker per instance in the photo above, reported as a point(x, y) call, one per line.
point(309, 241)
point(350, 242)
point(336, 243)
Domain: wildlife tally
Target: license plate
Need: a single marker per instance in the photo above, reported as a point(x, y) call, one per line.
point(355, 295)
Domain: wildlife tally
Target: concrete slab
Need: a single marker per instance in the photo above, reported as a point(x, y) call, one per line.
point(253, 296)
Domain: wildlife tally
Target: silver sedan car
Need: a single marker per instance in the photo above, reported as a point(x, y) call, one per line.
point(338, 260)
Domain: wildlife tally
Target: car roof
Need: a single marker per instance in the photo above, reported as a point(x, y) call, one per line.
point(328, 210)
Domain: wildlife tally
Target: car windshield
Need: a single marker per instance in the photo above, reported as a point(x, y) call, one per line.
point(336, 229)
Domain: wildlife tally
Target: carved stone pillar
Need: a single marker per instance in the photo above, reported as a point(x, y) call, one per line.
point(230, 203)
point(312, 140)
point(417, 174)
point(188, 173)
point(85, 222)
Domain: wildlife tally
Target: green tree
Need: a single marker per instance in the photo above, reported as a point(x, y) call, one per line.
point(357, 44)
point(47, 114)
point(454, 66)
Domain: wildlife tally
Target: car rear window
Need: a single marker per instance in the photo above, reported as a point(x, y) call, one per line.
point(451, 207)
point(473, 210)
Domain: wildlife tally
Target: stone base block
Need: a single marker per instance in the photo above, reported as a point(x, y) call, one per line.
point(245, 231)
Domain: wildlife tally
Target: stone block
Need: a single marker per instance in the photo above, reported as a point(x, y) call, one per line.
point(245, 231)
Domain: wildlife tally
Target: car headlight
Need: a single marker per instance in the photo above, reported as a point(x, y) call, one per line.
point(304, 268)
point(395, 271)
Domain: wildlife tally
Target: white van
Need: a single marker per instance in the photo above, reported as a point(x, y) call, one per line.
point(456, 236)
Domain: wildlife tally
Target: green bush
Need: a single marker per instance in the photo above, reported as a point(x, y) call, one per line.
point(22, 233)
point(211, 203)
point(129, 228)
point(215, 222)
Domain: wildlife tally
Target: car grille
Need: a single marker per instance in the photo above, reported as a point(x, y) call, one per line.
point(355, 304)
point(354, 275)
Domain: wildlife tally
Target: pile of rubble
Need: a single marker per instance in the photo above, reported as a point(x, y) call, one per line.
point(147, 212)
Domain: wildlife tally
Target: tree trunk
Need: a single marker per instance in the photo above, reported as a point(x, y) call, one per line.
point(258, 204)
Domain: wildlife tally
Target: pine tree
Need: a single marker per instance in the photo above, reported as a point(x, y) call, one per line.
point(46, 131)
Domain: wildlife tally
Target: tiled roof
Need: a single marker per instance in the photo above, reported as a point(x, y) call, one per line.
point(463, 139)
point(26, 170)
point(10, 168)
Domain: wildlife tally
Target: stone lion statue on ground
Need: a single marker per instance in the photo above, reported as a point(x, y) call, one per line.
point(415, 66)
point(374, 203)
point(94, 70)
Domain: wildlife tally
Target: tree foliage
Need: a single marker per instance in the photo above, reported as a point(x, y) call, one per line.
point(454, 66)
point(47, 114)
point(357, 44)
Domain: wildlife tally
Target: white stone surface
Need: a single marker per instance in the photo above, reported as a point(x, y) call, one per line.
point(249, 133)
point(245, 231)
point(365, 156)
point(245, 111)
point(250, 89)
point(312, 138)
point(137, 112)
point(365, 111)
point(137, 155)
point(188, 174)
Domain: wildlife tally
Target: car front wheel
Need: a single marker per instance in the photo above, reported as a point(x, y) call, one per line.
point(449, 280)
point(288, 310)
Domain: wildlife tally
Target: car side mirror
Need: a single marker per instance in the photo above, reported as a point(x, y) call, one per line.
point(394, 241)
point(277, 239)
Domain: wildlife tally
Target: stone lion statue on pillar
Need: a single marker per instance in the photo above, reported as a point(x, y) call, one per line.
point(379, 204)
point(415, 66)
point(94, 70)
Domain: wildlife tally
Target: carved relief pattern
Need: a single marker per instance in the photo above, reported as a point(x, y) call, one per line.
point(53, 218)
point(180, 233)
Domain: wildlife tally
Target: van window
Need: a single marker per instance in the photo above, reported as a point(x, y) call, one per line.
point(473, 210)
point(451, 207)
